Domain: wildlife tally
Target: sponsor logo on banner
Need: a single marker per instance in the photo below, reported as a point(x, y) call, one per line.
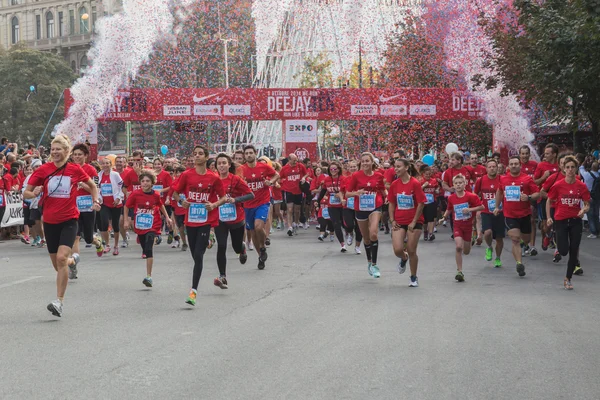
point(207, 110)
point(385, 99)
point(364, 110)
point(465, 102)
point(302, 153)
point(297, 131)
point(423, 109)
point(299, 103)
point(13, 214)
point(124, 104)
point(236, 110)
point(173, 111)
point(201, 99)
point(394, 110)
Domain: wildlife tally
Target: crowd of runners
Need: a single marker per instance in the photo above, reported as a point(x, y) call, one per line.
point(236, 201)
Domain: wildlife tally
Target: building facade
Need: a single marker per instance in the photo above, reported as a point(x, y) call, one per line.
point(64, 27)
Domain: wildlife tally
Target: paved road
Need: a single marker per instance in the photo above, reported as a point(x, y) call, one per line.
point(312, 325)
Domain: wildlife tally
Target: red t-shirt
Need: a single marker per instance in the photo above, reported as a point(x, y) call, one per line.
point(450, 173)
point(131, 180)
point(486, 188)
point(476, 172)
point(176, 208)
point(543, 167)
point(406, 197)
point(234, 187)
point(317, 182)
point(528, 168)
point(291, 176)
point(429, 191)
point(256, 177)
point(2, 194)
point(146, 211)
point(567, 198)
point(10, 181)
point(92, 173)
point(108, 200)
point(513, 187)
point(389, 175)
point(374, 187)
point(200, 189)
point(163, 181)
point(276, 193)
point(457, 204)
point(333, 187)
point(60, 195)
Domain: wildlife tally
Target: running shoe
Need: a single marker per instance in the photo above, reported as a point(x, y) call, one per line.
point(305, 225)
point(191, 298)
point(296, 231)
point(331, 237)
point(488, 254)
point(357, 250)
point(425, 237)
point(175, 244)
point(267, 242)
point(568, 284)
point(73, 268)
point(261, 264)
point(525, 250)
point(56, 308)
point(25, 239)
point(263, 255)
point(349, 239)
point(221, 282)
point(250, 246)
point(243, 254)
point(592, 236)
point(116, 251)
point(344, 249)
point(370, 268)
point(578, 270)
point(143, 256)
point(497, 262)
point(545, 243)
point(521, 269)
point(184, 247)
point(290, 232)
point(170, 238)
point(42, 243)
point(459, 276)
point(376, 273)
point(402, 265)
point(87, 246)
point(414, 282)
point(35, 241)
point(211, 240)
point(125, 244)
point(158, 240)
point(557, 257)
point(147, 281)
point(434, 229)
point(533, 251)
point(321, 238)
point(99, 250)
point(444, 223)
point(431, 237)
point(107, 249)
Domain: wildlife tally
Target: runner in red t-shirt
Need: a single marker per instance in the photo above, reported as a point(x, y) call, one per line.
point(292, 175)
point(544, 169)
point(147, 208)
point(178, 213)
point(476, 171)
point(350, 224)
point(58, 181)
point(431, 188)
point(406, 203)
point(331, 190)
point(567, 195)
point(463, 206)
point(515, 194)
point(492, 225)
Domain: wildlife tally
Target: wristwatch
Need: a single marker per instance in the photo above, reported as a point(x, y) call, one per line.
point(529, 197)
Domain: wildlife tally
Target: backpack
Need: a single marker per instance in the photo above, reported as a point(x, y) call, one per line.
point(595, 192)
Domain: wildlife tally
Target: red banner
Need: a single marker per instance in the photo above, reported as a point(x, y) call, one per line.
point(281, 104)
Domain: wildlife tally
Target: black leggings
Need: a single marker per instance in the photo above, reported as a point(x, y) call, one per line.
point(147, 241)
point(109, 214)
point(325, 224)
point(336, 215)
point(237, 240)
point(87, 225)
point(568, 237)
point(351, 225)
point(198, 239)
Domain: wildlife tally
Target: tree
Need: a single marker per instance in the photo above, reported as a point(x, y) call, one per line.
point(23, 118)
point(316, 72)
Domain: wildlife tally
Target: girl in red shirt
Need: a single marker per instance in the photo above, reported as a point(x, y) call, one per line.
point(58, 180)
point(406, 202)
point(178, 215)
point(331, 191)
point(368, 189)
point(430, 187)
point(567, 195)
point(350, 224)
point(147, 208)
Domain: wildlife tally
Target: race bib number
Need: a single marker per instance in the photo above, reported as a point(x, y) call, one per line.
point(59, 187)
point(350, 203)
point(326, 213)
point(513, 193)
point(366, 202)
point(460, 213)
point(106, 189)
point(334, 200)
point(429, 198)
point(228, 213)
point(492, 205)
point(157, 188)
point(405, 201)
point(197, 213)
point(84, 203)
point(144, 221)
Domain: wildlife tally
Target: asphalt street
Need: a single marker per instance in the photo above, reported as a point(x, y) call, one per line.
point(312, 325)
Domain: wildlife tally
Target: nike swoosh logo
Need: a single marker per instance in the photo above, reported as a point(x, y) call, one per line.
point(199, 99)
point(384, 99)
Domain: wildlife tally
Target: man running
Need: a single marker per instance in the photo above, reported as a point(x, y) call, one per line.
point(292, 175)
point(492, 225)
point(529, 167)
point(477, 171)
point(543, 171)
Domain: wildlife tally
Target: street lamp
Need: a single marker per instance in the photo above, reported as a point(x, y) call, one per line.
point(84, 18)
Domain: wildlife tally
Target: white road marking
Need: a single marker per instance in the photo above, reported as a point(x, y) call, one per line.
point(5, 285)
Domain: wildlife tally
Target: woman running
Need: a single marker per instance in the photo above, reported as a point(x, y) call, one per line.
point(330, 190)
point(111, 190)
point(147, 208)
point(162, 186)
point(368, 189)
point(567, 195)
point(324, 220)
point(406, 203)
point(59, 179)
point(231, 216)
point(431, 188)
point(204, 194)
point(350, 224)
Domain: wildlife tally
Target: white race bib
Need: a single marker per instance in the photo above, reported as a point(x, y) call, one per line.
point(85, 203)
point(513, 193)
point(429, 198)
point(228, 212)
point(144, 221)
point(59, 187)
point(366, 202)
point(106, 189)
point(326, 213)
point(350, 203)
point(197, 213)
point(405, 201)
point(459, 212)
point(334, 200)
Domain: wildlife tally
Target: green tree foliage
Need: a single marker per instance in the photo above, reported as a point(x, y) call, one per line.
point(316, 72)
point(23, 120)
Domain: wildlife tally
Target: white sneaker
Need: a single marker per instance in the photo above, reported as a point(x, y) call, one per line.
point(250, 246)
point(357, 250)
point(592, 236)
point(175, 244)
point(344, 249)
point(125, 244)
point(349, 239)
point(55, 308)
point(414, 283)
point(434, 229)
point(306, 225)
point(331, 237)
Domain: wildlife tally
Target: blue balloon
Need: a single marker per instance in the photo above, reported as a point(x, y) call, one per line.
point(164, 149)
point(428, 159)
point(596, 154)
point(32, 88)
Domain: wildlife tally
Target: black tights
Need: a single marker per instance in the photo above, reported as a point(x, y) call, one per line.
point(109, 214)
point(147, 241)
point(198, 240)
point(237, 242)
point(336, 215)
point(351, 225)
point(325, 224)
point(568, 237)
